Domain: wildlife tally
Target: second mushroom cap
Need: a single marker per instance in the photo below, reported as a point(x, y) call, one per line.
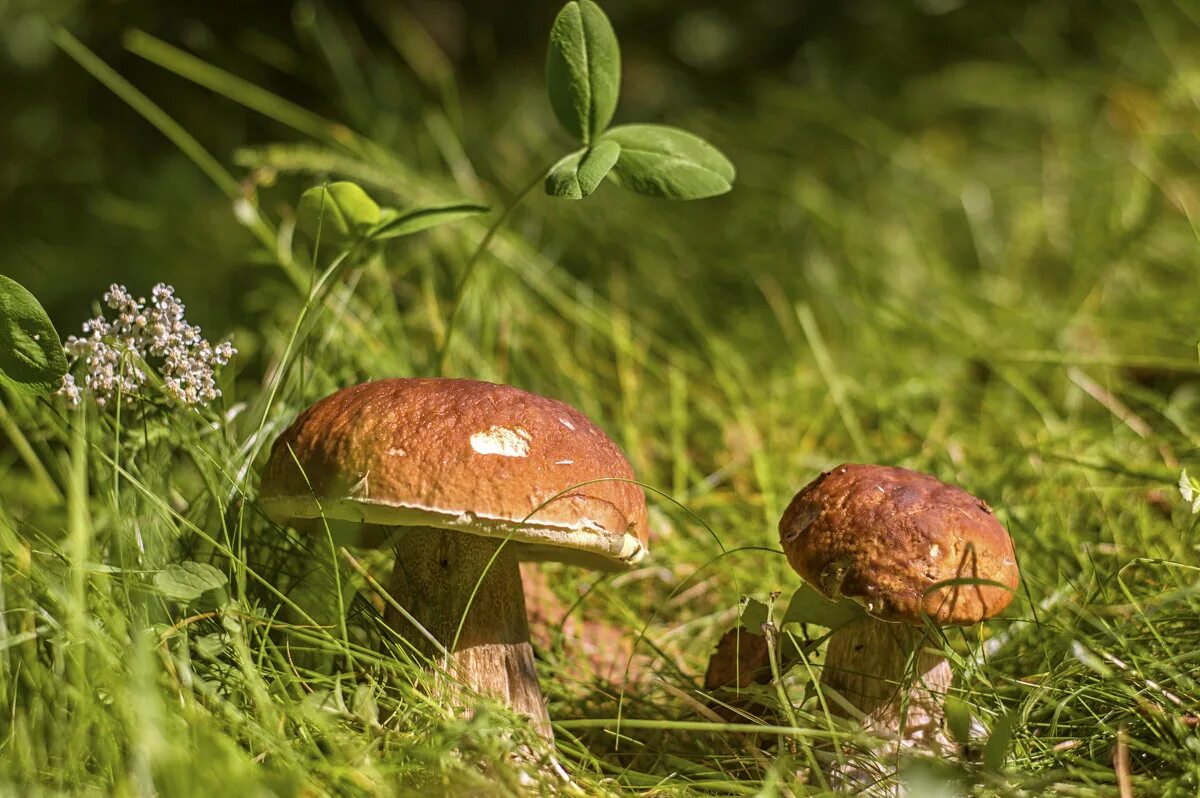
point(902, 543)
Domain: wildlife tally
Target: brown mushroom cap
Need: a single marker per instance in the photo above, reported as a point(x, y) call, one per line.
point(883, 536)
point(460, 454)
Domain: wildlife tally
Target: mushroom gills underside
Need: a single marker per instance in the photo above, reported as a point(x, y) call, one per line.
point(355, 522)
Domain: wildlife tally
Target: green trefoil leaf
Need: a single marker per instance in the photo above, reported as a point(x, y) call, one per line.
point(578, 175)
point(663, 161)
point(583, 69)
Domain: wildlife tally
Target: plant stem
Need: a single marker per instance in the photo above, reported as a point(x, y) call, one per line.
point(26, 452)
point(461, 286)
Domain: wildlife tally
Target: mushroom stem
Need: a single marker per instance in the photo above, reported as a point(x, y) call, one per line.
point(892, 675)
point(436, 573)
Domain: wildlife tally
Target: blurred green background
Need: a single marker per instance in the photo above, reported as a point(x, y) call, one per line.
point(810, 99)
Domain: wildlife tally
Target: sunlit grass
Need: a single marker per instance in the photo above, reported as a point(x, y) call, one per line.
point(988, 275)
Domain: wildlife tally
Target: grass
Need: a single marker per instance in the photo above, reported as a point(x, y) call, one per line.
point(986, 271)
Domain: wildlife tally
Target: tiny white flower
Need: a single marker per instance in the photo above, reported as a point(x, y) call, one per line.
point(145, 333)
point(1189, 489)
point(71, 391)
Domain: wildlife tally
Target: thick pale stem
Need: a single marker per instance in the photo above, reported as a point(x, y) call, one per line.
point(894, 675)
point(436, 573)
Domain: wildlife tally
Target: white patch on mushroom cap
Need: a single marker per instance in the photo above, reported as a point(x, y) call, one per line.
point(504, 441)
point(564, 462)
point(935, 551)
point(567, 423)
point(396, 451)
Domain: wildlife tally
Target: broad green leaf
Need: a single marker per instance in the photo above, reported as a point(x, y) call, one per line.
point(754, 614)
point(187, 581)
point(209, 647)
point(809, 606)
point(578, 175)
point(562, 180)
point(958, 718)
point(664, 161)
point(414, 220)
point(933, 778)
point(996, 750)
point(32, 360)
point(583, 69)
point(336, 213)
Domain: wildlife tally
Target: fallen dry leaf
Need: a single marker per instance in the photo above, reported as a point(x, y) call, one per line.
point(741, 657)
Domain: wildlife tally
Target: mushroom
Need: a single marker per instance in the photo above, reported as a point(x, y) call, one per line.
point(917, 554)
point(475, 477)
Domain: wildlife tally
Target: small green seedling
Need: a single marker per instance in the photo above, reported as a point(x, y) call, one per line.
point(583, 80)
point(342, 215)
point(583, 77)
point(336, 214)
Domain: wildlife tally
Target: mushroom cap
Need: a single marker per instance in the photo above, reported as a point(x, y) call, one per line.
point(484, 459)
point(884, 536)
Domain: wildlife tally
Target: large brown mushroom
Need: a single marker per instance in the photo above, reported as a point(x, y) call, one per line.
point(917, 554)
point(477, 477)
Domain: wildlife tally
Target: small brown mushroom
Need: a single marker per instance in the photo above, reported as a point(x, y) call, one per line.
point(916, 553)
point(479, 477)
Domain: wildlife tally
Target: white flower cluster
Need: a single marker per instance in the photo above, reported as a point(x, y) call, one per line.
point(115, 352)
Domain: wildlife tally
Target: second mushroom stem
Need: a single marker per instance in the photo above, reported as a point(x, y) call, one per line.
point(436, 573)
point(895, 676)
